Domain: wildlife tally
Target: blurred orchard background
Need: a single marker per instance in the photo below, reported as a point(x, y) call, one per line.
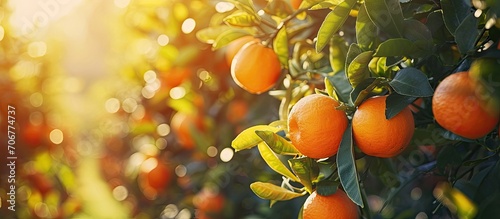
point(122, 113)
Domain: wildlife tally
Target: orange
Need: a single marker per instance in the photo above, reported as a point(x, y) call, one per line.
point(295, 4)
point(255, 68)
point(175, 76)
point(418, 102)
point(316, 127)
point(458, 109)
point(183, 125)
point(236, 111)
point(209, 200)
point(375, 135)
point(337, 205)
point(233, 47)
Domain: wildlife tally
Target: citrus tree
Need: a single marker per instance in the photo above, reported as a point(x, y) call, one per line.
point(391, 102)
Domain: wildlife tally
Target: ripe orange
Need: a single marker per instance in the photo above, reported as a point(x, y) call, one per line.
point(458, 109)
point(375, 135)
point(175, 76)
point(183, 125)
point(236, 111)
point(255, 68)
point(235, 46)
point(316, 127)
point(337, 205)
point(209, 201)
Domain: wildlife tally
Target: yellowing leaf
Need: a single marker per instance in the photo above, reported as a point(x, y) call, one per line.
point(277, 143)
point(273, 192)
point(248, 139)
point(274, 162)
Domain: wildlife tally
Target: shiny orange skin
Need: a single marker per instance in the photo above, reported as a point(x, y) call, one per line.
point(335, 206)
point(233, 47)
point(255, 68)
point(457, 108)
point(316, 127)
point(375, 135)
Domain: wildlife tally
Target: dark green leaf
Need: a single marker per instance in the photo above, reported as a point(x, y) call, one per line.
point(241, 19)
point(395, 47)
point(277, 143)
point(454, 12)
point(341, 86)
point(274, 162)
point(361, 86)
point(347, 168)
point(395, 103)
point(306, 169)
point(327, 187)
point(332, 23)
point(366, 31)
point(280, 46)
point(273, 192)
point(385, 171)
point(436, 26)
point(411, 82)
point(415, 30)
point(353, 52)
point(387, 15)
point(466, 34)
point(358, 68)
point(449, 156)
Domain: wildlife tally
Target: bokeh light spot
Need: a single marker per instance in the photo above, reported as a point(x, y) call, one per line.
point(37, 49)
point(149, 76)
point(56, 136)
point(2, 33)
point(416, 193)
point(122, 3)
point(36, 99)
point(170, 211)
point(222, 7)
point(226, 154)
point(161, 143)
point(149, 164)
point(188, 25)
point(177, 93)
point(421, 215)
point(163, 40)
point(120, 193)
point(112, 105)
point(180, 170)
point(212, 151)
point(163, 129)
point(129, 105)
point(184, 214)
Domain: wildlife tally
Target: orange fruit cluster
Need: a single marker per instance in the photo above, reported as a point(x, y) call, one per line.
point(337, 205)
point(457, 107)
point(316, 127)
point(377, 136)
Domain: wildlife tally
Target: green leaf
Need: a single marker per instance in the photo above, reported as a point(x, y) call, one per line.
point(320, 4)
point(387, 15)
point(395, 103)
point(352, 53)
point(306, 169)
point(395, 47)
point(411, 82)
point(415, 30)
point(332, 23)
point(361, 86)
point(466, 34)
point(248, 139)
point(327, 187)
point(347, 168)
point(274, 162)
point(366, 30)
point(341, 86)
point(385, 171)
point(277, 143)
point(245, 5)
point(241, 19)
point(338, 51)
point(280, 46)
point(454, 12)
point(273, 192)
point(209, 34)
point(228, 36)
point(358, 68)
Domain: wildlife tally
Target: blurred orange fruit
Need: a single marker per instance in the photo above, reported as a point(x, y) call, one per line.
point(337, 205)
point(375, 135)
point(316, 127)
point(235, 46)
point(457, 108)
point(184, 126)
point(255, 68)
point(175, 76)
point(295, 4)
point(236, 111)
point(209, 201)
